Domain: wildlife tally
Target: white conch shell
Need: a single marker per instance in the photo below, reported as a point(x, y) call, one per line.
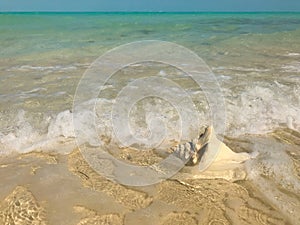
point(216, 153)
point(216, 160)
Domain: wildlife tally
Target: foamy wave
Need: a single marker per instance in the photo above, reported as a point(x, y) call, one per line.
point(273, 173)
point(60, 133)
point(292, 54)
point(21, 137)
point(241, 69)
point(255, 110)
point(293, 67)
point(259, 110)
point(57, 68)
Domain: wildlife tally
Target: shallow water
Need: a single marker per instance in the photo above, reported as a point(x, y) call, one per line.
point(64, 189)
point(255, 58)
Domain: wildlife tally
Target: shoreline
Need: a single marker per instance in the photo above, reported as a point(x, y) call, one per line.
point(65, 188)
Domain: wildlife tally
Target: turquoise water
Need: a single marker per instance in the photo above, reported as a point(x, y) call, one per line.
point(255, 57)
point(29, 33)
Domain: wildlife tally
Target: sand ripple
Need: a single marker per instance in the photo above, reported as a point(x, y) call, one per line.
point(21, 208)
point(130, 198)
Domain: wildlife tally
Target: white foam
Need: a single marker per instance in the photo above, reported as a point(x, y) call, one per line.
point(243, 69)
point(162, 73)
point(26, 68)
point(254, 110)
point(61, 126)
point(60, 136)
point(293, 54)
point(258, 110)
point(293, 67)
point(21, 137)
point(272, 172)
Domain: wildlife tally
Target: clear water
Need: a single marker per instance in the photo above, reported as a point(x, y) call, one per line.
point(255, 57)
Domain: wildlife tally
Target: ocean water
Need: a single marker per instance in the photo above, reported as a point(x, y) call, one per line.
point(255, 58)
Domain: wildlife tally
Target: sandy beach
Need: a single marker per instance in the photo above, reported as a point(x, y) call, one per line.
point(49, 188)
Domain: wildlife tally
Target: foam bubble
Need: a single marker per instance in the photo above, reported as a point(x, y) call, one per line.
point(22, 136)
point(259, 109)
point(273, 173)
point(62, 125)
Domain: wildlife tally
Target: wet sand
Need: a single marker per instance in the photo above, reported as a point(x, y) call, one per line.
point(49, 188)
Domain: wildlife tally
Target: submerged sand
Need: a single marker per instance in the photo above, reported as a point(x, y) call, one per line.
point(49, 188)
